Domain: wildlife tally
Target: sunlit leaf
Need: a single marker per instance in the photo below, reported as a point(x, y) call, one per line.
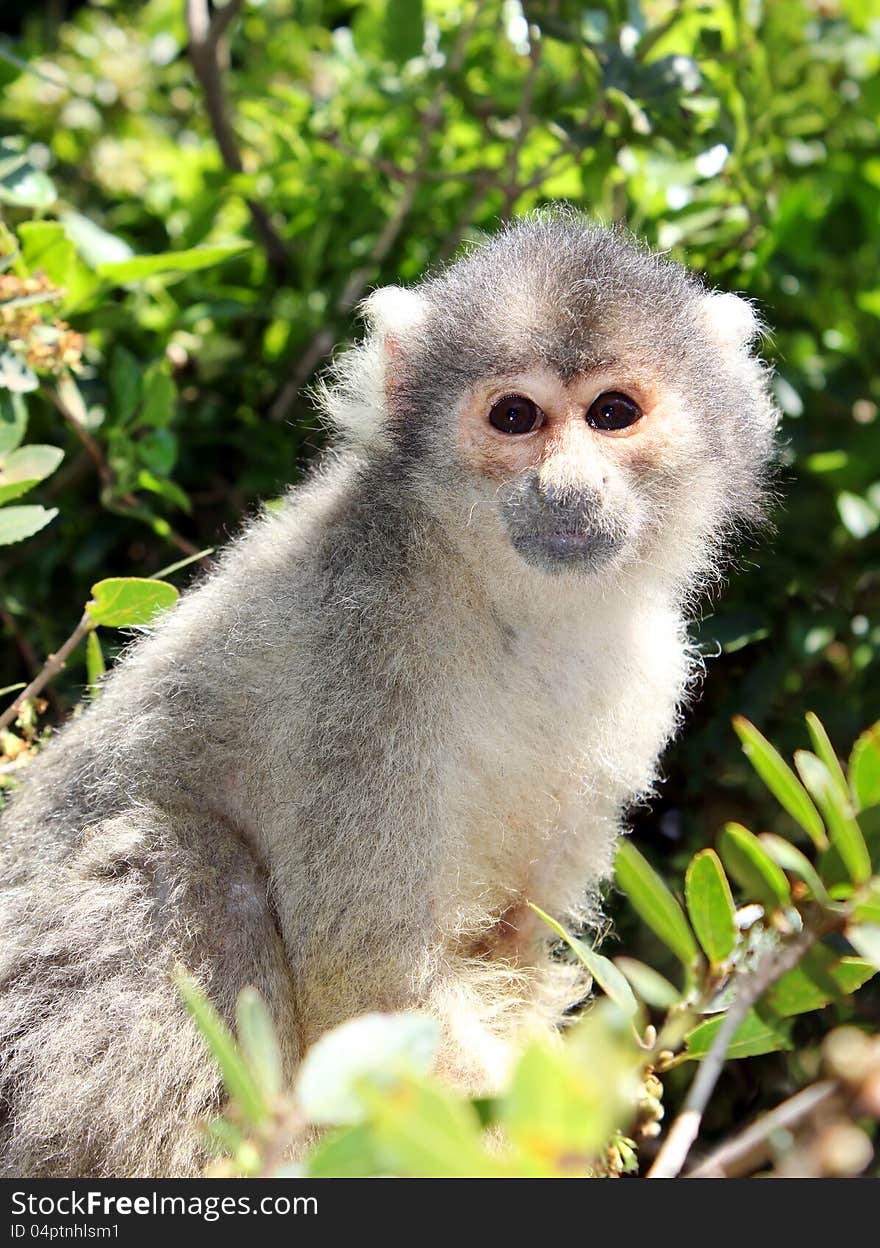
point(821, 976)
point(612, 982)
point(864, 768)
point(240, 1083)
point(710, 906)
point(653, 988)
point(753, 868)
point(258, 1042)
point(129, 601)
point(168, 263)
point(17, 523)
point(653, 901)
point(781, 780)
point(754, 1036)
point(371, 1049)
point(865, 939)
point(790, 858)
point(843, 829)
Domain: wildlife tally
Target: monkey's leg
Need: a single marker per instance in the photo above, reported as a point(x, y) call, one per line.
point(102, 1071)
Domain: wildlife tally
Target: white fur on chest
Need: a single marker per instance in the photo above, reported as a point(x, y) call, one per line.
point(561, 730)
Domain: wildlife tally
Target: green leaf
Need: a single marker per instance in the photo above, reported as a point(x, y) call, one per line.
point(865, 939)
point(373, 1049)
point(867, 906)
point(350, 1153)
point(403, 29)
point(820, 976)
point(239, 1082)
point(21, 184)
point(26, 467)
point(94, 244)
point(95, 665)
point(753, 868)
point(159, 397)
point(655, 904)
point(15, 375)
point(710, 906)
point(566, 1101)
point(653, 988)
point(755, 1035)
point(46, 248)
point(125, 384)
point(790, 858)
point(258, 1041)
point(13, 420)
point(129, 601)
point(780, 780)
point(823, 748)
point(864, 768)
point(169, 263)
point(612, 982)
point(17, 523)
point(845, 833)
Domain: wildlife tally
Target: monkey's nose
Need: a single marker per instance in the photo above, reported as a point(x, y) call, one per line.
point(575, 503)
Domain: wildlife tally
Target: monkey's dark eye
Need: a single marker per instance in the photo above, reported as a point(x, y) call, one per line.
point(613, 411)
point(515, 414)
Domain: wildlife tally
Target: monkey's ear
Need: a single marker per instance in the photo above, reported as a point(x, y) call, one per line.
point(392, 311)
point(731, 321)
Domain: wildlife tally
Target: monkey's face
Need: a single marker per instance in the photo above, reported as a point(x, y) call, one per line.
point(580, 471)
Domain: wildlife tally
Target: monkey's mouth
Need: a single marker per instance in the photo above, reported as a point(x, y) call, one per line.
point(559, 549)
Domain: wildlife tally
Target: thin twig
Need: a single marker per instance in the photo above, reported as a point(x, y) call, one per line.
point(356, 286)
point(208, 53)
point(753, 1147)
point(751, 987)
point(103, 469)
point(51, 667)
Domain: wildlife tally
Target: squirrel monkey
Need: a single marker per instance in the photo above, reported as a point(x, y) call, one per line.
point(417, 697)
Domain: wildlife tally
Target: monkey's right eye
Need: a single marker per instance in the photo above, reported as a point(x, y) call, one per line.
point(515, 414)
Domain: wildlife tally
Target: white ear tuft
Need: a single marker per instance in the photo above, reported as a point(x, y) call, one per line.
point(394, 310)
point(731, 321)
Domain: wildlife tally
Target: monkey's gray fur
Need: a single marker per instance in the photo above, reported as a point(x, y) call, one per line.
point(339, 768)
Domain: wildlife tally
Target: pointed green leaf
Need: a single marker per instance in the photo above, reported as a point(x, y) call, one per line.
point(169, 263)
point(653, 988)
point(654, 903)
point(239, 1082)
point(780, 780)
point(823, 749)
point(95, 665)
point(845, 833)
point(864, 768)
point(17, 523)
point(867, 907)
point(754, 1036)
point(13, 420)
point(790, 858)
point(710, 906)
point(820, 976)
point(258, 1042)
point(612, 982)
point(129, 601)
point(753, 868)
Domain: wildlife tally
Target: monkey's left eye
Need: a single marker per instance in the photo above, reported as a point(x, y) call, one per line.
point(515, 414)
point(613, 411)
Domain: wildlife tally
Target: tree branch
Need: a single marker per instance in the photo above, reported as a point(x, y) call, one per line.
point(752, 986)
point(749, 1150)
point(51, 667)
point(208, 53)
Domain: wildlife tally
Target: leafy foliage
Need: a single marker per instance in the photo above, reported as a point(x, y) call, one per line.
point(168, 289)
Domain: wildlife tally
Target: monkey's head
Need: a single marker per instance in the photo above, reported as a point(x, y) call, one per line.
point(582, 401)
